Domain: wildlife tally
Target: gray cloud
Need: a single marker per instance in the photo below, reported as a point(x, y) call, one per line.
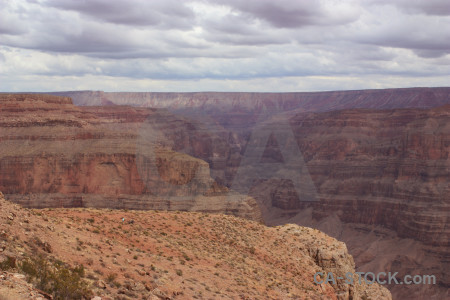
point(239, 30)
point(429, 7)
point(290, 14)
point(287, 14)
point(426, 53)
point(163, 13)
point(10, 22)
point(419, 33)
point(204, 40)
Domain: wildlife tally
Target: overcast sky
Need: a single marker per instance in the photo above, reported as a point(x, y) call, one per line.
point(223, 45)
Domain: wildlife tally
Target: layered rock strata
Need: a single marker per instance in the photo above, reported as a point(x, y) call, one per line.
point(53, 154)
point(382, 174)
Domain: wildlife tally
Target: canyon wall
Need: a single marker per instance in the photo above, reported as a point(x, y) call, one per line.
point(236, 102)
point(389, 168)
point(54, 154)
point(382, 179)
point(379, 173)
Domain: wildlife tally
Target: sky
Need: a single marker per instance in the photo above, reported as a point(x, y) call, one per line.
point(223, 45)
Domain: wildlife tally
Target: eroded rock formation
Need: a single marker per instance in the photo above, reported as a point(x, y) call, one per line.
point(53, 154)
point(382, 174)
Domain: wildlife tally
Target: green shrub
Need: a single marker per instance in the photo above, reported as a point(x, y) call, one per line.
point(56, 278)
point(111, 277)
point(186, 257)
point(9, 263)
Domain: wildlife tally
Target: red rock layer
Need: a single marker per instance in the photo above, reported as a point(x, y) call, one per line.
point(55, 154)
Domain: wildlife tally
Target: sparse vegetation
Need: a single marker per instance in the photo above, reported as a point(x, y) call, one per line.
point(8, 263)
point(111, 277)
point(233, 257)
point(56, 278)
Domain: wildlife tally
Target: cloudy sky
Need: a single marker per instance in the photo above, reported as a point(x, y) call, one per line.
point(223, 45)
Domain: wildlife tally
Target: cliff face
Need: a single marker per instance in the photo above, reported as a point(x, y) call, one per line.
point(373, 170)
point(388, 168)
point(55, 154)
point(238, 112)
point(255, 102)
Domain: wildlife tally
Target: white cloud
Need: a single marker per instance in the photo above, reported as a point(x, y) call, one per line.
point(228, 45)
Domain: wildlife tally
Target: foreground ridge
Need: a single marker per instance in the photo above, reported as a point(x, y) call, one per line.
point(120, 254)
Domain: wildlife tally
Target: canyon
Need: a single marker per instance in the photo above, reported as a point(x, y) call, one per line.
point(56, 154)
point(373, 165)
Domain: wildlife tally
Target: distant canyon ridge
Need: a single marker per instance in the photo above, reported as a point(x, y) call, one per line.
point(374, 164)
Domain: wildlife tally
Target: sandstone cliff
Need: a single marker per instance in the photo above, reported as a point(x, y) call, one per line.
point(238, 112)
point(381, 176)
point(255, 102)
point(53, 154)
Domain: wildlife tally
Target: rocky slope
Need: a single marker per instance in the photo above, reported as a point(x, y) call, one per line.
point(54, 154)
point(173, 255)
point(13, 286)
